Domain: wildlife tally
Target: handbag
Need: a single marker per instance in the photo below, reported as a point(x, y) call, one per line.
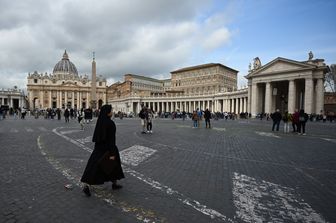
point(107, 165)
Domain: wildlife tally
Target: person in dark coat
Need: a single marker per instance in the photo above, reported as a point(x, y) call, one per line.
point(66, 115)
point(207, 117)
point(303, 118)
point(104, 137)
point(276, 117)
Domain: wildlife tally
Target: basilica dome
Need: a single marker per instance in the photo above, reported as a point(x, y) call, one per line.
point(65, 67)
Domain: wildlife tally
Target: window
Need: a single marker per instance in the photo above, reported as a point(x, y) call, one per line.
point(35, 81)
point(100, 84)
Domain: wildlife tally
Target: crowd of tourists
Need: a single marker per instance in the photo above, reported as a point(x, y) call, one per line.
point(297, 121)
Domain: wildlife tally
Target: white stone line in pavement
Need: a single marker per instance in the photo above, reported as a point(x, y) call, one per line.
point(14, 130)
point(219, 129)
point(85, 140)
point(135, 155)
point(29, 129)
point(70, 131)
point(157, 185)
point(268, 134)
point(42, 129)
point(262, 201)
point(330, 140)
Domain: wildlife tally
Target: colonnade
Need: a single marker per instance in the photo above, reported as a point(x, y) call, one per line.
point(234, 105)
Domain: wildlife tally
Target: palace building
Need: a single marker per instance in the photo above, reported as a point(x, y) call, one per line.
point(282, 84)
point(204, 86)
point(65, 88)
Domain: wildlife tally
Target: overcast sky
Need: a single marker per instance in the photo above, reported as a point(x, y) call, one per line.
point(155, 37)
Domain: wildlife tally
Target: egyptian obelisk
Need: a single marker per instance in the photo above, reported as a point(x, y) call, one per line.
point(93, 84)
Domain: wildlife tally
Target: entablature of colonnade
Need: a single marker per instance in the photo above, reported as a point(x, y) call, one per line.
point(282, 69)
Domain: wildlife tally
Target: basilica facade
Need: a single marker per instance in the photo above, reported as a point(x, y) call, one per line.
point(65, 88)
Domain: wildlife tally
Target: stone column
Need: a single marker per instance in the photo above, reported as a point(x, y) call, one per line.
point(246, 104)
point(73, 100)
point(291, 96)
point(78, 101)
point(59, 99)
point(87, 99)
point(309, 93)
point(268, 97)
point(254, 103)
point(237, 106)
point(249, 97)
point(50, 104)
point(241, 105)
point(319, 96)
point(42, 99)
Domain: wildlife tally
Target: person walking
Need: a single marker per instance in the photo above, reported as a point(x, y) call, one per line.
point(303, 118)
point(66, 115)
point(149, 120)
point(194, 118)
point(142, 115)
point(207, 117)
point(276, 117)
point(200, 115)
point(104, 137)
point(81, 119)
point(295, 121)
point(285, 119)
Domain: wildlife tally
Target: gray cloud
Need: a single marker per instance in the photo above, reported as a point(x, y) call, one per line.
point(149, 37)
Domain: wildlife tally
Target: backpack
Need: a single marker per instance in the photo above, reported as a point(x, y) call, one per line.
point(302, 119)
point(142, 114)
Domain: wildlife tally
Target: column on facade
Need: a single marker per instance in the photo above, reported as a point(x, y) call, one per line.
point(241, 105)
point(87, 99)
point(215, 106)
point(73, 100)
point(291, 96)
point(237, 106)
point(230, 105)
point(245, 104)
point(254, 101)
point(309, 95)
point(66, 99)
point(268, 98)
point(41, 100)
point(49, 100)
point(249, 96)
point(78, 100)
point(59, 99)
point(319, 102)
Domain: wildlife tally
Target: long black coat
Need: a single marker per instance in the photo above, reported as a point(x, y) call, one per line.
point(93, 175)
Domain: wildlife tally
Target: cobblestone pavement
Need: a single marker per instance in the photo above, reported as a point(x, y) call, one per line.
point(238, 171)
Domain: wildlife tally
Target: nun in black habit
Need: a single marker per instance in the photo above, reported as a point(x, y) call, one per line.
point(104, 137)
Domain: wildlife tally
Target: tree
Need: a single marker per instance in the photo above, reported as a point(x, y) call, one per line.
point(330, 79)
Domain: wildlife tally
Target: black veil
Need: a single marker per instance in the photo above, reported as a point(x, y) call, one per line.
point(100, 132)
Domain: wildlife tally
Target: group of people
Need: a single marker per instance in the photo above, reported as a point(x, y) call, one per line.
point(146, 115)
point(298, 121)
point(197, 117)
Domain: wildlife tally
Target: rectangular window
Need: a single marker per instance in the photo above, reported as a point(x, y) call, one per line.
point(35, 81)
